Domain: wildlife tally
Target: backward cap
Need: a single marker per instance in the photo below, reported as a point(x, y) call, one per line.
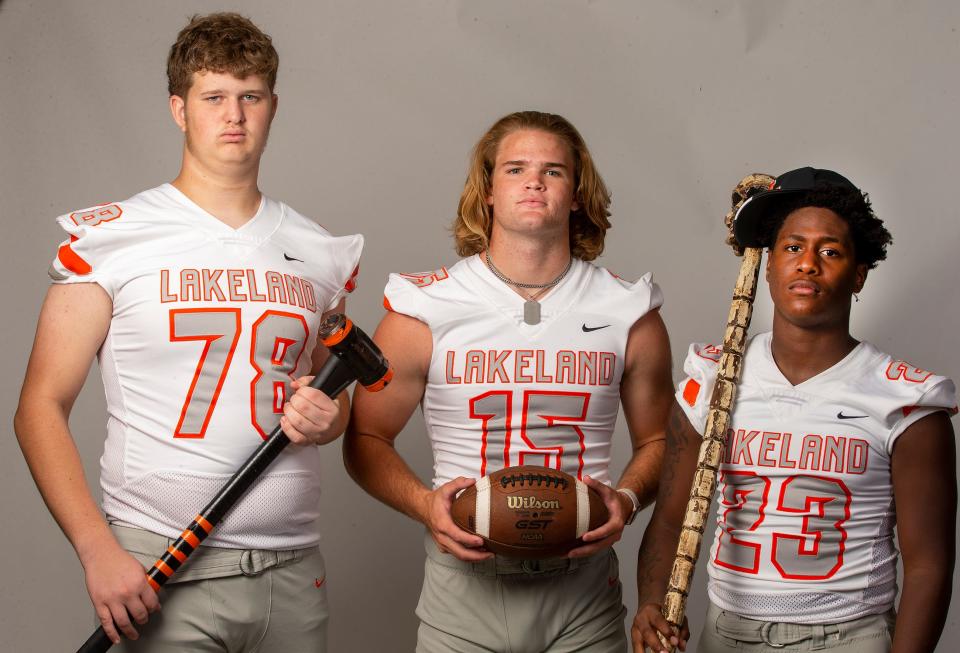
point(749, 219)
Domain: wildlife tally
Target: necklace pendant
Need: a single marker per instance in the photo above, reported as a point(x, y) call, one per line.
point(531, 311)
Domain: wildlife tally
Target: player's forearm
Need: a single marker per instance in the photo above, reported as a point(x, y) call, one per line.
point(923, 609)
point(655, 560)
point(376, 466)
point(54, 462)
point(642, 473)
point(659, 546)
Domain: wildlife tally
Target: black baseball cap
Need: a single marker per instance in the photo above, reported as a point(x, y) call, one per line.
point(749, 219)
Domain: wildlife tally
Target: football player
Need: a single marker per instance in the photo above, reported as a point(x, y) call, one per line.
point(201, 299)
point(832, 444)
point(519, 354)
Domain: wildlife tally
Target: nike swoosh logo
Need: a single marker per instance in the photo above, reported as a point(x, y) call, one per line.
point(290, 258)
point(587, 329)
point(840, 415)
point(318, 582)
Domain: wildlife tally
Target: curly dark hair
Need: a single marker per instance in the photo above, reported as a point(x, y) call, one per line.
point(223, 42)
point(870, 237)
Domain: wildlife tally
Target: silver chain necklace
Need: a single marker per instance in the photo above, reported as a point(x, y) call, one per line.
point(531, 307)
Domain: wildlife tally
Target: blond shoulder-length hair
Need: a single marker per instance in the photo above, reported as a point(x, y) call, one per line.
point(588, 224)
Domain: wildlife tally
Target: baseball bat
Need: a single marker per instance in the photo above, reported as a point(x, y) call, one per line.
point(718, 416)
point(355, 358)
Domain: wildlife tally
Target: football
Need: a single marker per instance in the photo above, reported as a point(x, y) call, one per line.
point(529, 512)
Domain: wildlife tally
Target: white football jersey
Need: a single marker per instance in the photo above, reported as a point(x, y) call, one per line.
point(209, 326)
point(501, 392)
point(805, 496)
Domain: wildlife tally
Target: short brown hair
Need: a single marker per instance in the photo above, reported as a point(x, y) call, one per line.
point(220, 43)
point(588, 224)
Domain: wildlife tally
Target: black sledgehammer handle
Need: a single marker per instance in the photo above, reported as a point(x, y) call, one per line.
point(355, 358)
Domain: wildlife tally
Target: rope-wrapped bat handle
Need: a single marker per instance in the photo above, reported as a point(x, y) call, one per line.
point(718, 417)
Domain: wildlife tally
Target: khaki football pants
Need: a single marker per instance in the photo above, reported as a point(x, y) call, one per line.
point(726, 632)
point(233, 601)
point(521, 606)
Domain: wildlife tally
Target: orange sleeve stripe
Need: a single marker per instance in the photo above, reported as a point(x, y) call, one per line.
point(71, 260)
point(690, 392)
point(351, 283)
point(386, 304)
point(909, 409)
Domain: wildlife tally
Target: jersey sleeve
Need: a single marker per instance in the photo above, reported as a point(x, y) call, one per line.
point(913, 400)
point(92, 248)
point(614, 297)
point(334, 260)
point(405, 293)
point(347, 262)
point(693, 392)
point(645, 292)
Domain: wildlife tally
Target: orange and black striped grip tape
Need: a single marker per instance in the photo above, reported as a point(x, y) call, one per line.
point(178, 552)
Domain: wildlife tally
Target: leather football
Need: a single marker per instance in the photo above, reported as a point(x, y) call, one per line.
point(529, 512)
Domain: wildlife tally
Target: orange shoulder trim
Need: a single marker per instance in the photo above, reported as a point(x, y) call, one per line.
point(71, 260)
point(690, 392)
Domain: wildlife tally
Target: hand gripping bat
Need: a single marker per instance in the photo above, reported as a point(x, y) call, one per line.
point(355, 358)
point(718, 417)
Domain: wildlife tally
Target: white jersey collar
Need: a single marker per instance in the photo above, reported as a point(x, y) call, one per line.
point(510, 303)
point(260, 227)
point(768, 374)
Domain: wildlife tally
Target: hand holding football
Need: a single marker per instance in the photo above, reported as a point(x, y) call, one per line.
point(529, 512)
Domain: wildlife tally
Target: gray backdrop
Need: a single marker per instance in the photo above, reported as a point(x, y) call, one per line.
point(380, 102)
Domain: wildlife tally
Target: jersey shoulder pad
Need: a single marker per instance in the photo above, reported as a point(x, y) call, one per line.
point(335, 260)
point(345, 257)
point(422, 295)
point(628, 300)
point(644, 290)
point(700, 366)
point(693, 392)
point(299, 221)
point(97, 238)
point(423, 280)
point(903, 393)
point(342, 276)
point(900, 384)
